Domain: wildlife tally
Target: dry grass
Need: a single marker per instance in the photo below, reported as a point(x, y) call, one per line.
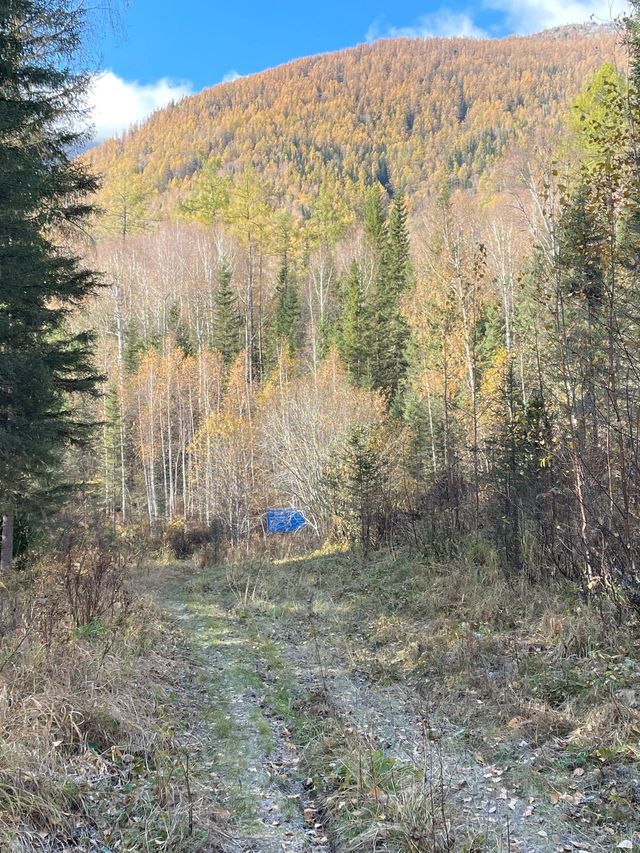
point(89, 755)
point(98, 716)
point(535, 656)
point(517, 669)
point(369, 799)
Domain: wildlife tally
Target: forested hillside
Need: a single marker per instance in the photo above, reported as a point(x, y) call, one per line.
point(404, 112)
point(461, 365)
point(395, 292)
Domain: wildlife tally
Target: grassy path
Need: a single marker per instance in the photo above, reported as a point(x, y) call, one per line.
point(325, 732)
point(327, 704)
point(253, 764)
point(306, 751)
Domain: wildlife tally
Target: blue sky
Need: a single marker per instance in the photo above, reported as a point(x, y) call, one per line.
point(169, 48)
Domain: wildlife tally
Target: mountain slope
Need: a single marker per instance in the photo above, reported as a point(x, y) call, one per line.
point(396, 110)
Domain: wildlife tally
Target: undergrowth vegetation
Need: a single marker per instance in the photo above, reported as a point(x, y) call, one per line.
point(90, 677)
point(387, 674)
point(515, 675)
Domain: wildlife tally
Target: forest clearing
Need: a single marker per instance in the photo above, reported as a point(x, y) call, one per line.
point(329, 703)
point(320, 428)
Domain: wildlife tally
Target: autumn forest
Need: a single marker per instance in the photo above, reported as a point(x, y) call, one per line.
point(402, 350)
point(393, 290)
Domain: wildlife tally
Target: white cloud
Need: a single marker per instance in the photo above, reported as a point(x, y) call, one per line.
point(115, 104)
point(518, 16)
point(231, 75)
point(527, 16)
point(442, 23)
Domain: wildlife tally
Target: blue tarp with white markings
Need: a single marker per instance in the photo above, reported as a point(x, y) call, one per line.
point(284, 520)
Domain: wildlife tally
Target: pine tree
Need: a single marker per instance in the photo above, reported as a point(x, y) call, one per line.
point(354, 339)
point(42, 193)
point(227, 321)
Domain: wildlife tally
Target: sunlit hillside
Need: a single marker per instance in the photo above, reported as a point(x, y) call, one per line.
point(400, 111)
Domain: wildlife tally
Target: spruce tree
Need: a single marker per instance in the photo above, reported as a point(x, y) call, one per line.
point(356, 478)
point(397, 255)
point(180, 331)
point(354, 339)
point(374, 216)
point(389, 330)
point(227, 321)
point(284, 328)
point(42, 197)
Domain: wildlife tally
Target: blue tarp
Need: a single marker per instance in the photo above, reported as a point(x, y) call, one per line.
point(284, 520)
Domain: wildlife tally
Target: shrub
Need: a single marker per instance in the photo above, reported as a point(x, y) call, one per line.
point(181, 539)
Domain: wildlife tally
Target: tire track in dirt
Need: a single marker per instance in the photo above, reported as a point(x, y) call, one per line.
point(482, 801)
point(255, 763)
point(481, 798)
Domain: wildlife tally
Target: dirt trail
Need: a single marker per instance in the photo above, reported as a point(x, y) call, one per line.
point(395, 720)
point(254, 668)
point(257, 790)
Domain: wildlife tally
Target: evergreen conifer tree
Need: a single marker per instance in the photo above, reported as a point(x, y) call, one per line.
point(374, 216)
point(354, 339)
point(181, 332)
point(397, 255)
point(227, 321)
point(284, 331)
point(389, 330)
point(356, 478)
point(42, 192)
